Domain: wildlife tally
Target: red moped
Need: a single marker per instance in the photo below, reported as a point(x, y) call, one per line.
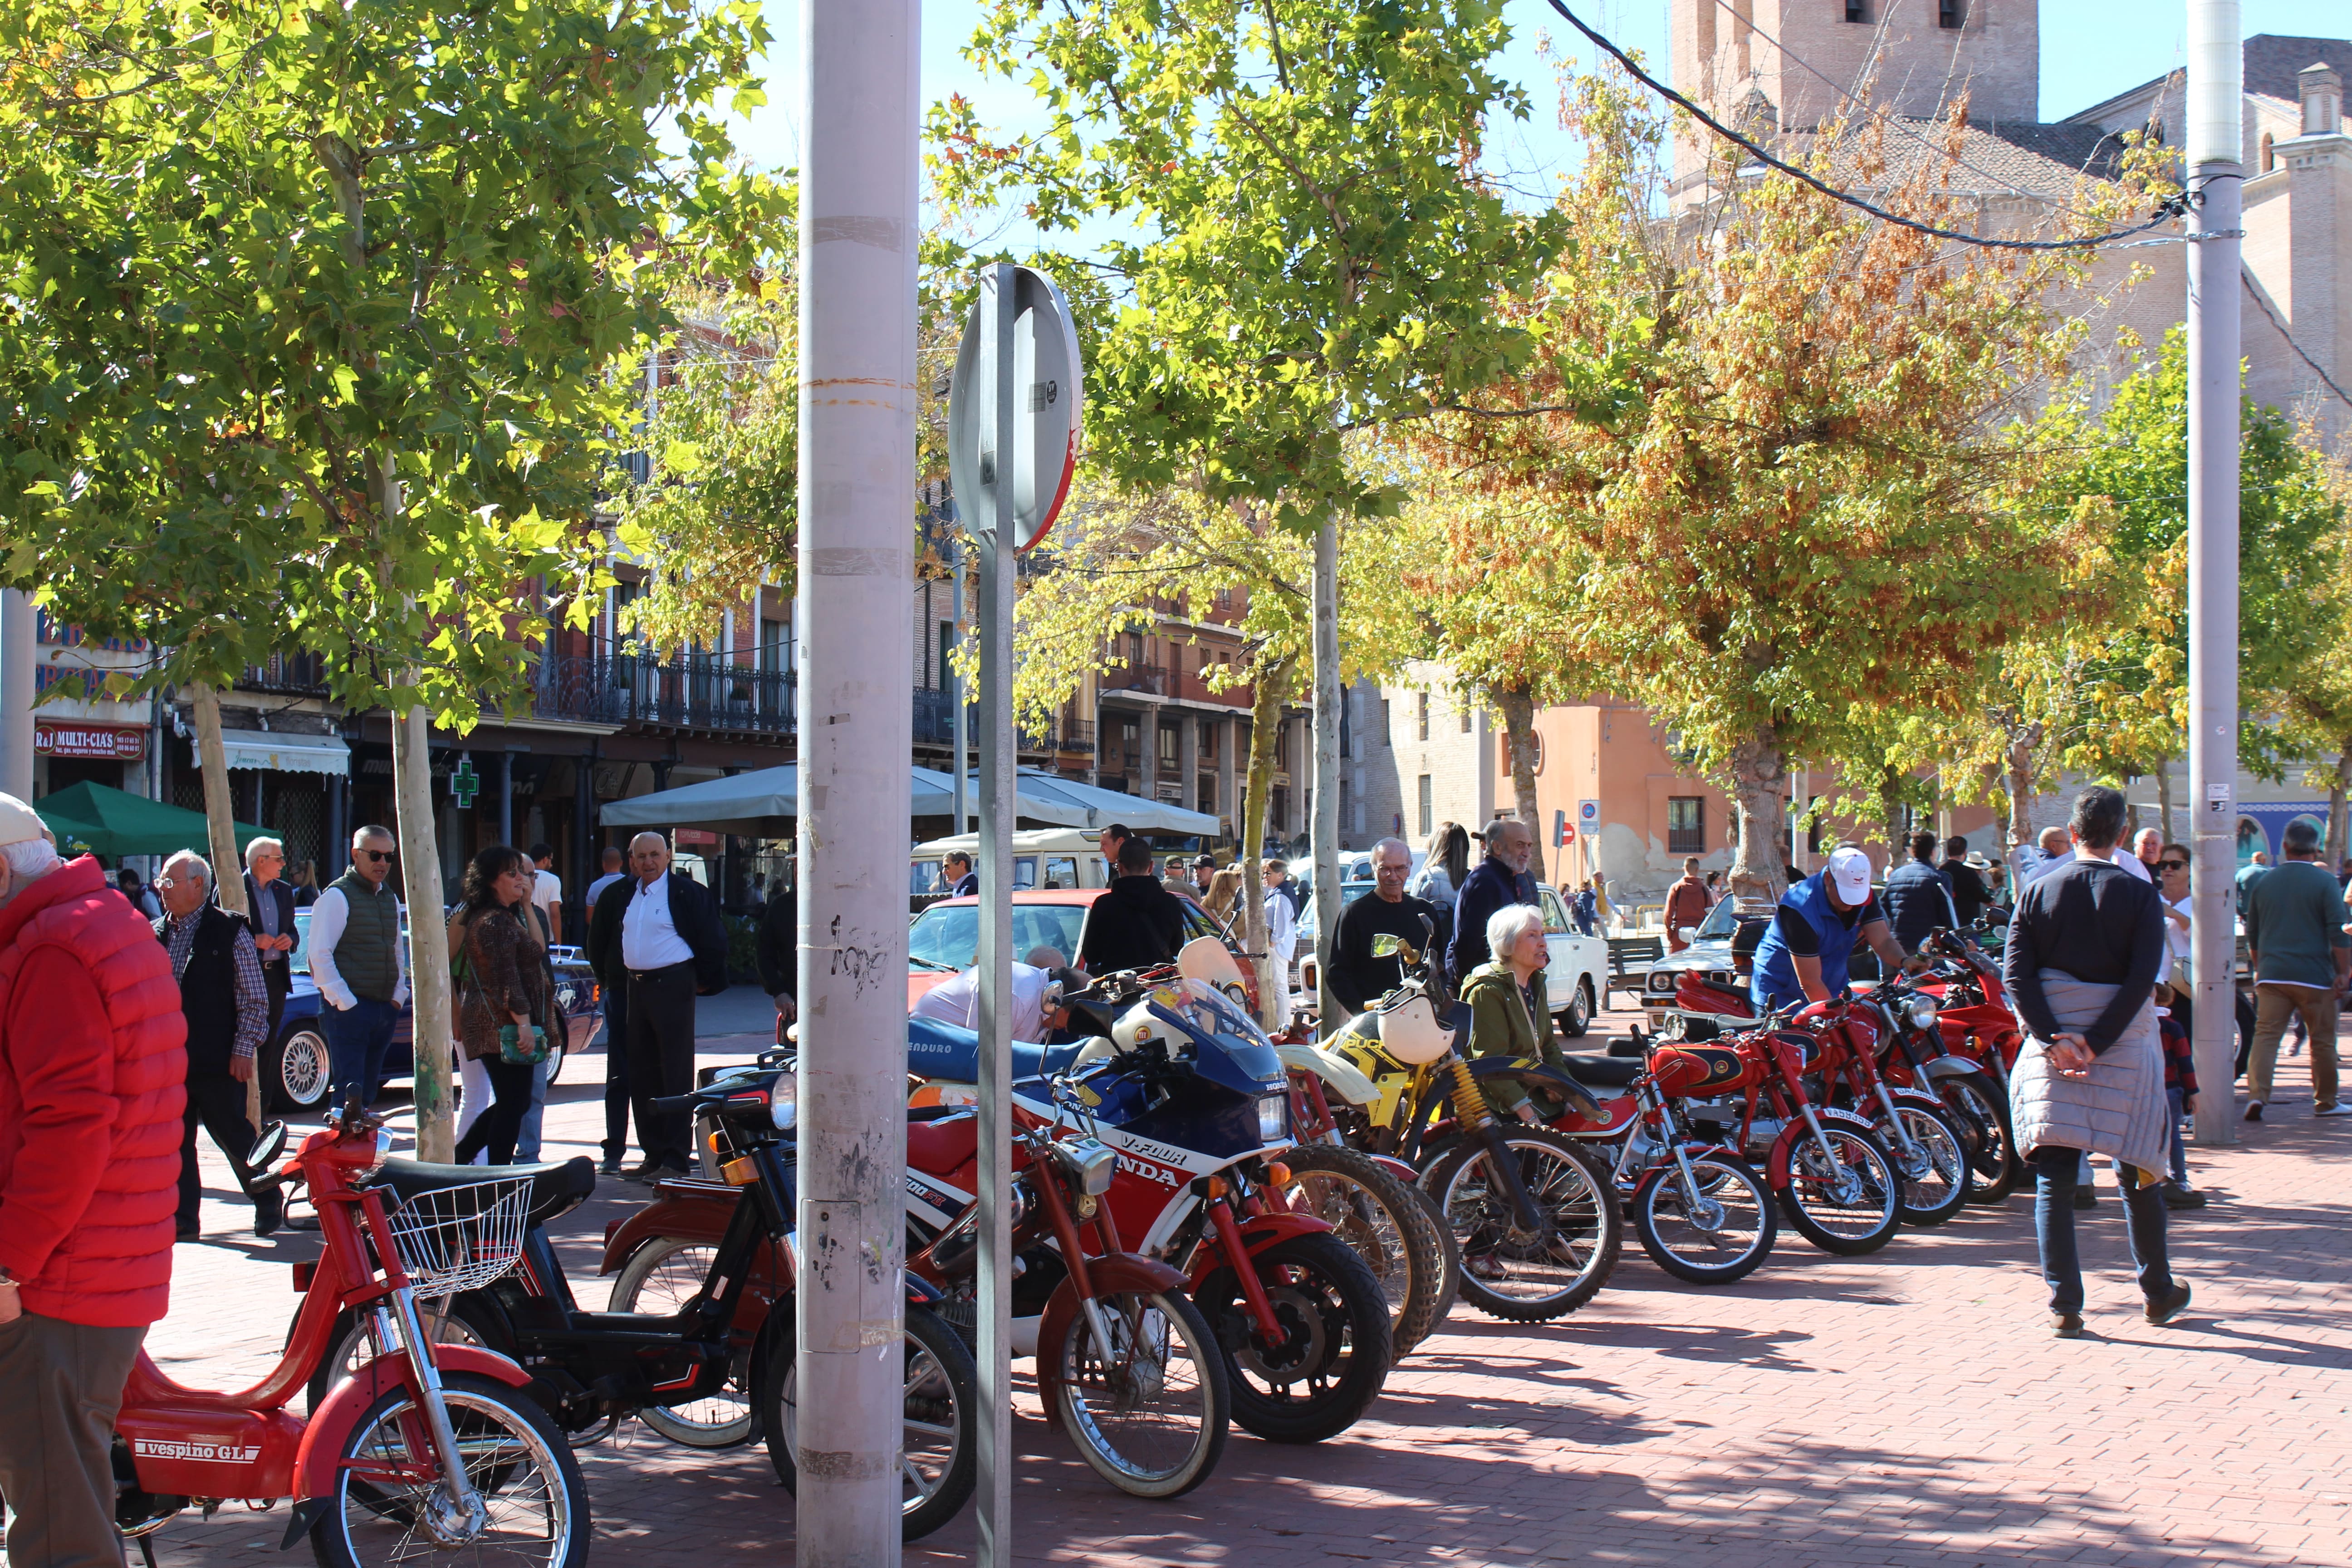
point(426, 1448)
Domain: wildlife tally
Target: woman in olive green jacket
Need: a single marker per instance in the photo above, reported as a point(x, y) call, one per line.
point(1510, 1015)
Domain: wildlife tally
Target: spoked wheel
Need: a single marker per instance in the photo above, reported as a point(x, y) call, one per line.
point(659, 1277)
point(1383, 1222)
point(1935, 1169)
point(939, 1458)
point(1150, 1410)
point(1335, 1352)
point(1982, 1112)
point(1518, 1277)
point(1711, 1235)
point(388, 1504)
point(458, 1321)
point(1846, 1200)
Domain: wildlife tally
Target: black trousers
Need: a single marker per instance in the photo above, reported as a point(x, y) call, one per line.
point(218, 1101)
point(277, 979)
point(617, 1070)
point(496, 1128)
point(660, 1032)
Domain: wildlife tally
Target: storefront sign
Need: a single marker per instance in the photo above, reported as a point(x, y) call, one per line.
point(115, 742)
point(695, 835)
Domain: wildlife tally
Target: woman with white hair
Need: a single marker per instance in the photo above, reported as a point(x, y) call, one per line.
point(1510, 1015)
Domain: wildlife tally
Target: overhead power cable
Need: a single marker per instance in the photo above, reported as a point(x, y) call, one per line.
point(2170, 208)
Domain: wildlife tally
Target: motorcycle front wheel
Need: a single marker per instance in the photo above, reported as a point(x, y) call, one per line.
point(1719, 1232)
point(1384, 1223)
point(528, 1480)
point(1507, 1274)
point(939, 1458)
point(659, 1278)
point(1934, 1170)
point(1150, 1410)
point(1848, 1201)
point(1335, 1352)
point(1982, 1113)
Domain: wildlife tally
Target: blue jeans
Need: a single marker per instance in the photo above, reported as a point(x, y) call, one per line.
point(2054, 1227)
point(526, 1149)
point(357, 1039)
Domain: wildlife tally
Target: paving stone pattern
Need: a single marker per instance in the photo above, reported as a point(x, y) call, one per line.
point(1905, 1408)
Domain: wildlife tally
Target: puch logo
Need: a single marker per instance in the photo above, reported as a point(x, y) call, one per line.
point(229, 1453)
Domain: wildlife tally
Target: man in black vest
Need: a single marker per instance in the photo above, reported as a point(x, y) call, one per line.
point(656, 937)
point(355, 963)
point(271, 920)
point(227, 1008)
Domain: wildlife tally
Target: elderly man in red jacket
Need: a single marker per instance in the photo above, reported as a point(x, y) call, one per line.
point(92, 1074)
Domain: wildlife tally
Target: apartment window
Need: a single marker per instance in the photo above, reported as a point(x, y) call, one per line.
point(1422, 698)
point(1465, 718)
point(775, 647)
point(1856, 11)
point(1951, 12)
point(1685, 825)
point(947, 651)
point(2270, 155)
point(1428, 807)
point(1388, 736)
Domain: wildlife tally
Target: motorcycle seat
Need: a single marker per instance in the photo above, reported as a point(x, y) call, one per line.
point(1739, 993)
point(1602, 1071)
point(942, 1145)
point(557, 1187)
point(944, 1052)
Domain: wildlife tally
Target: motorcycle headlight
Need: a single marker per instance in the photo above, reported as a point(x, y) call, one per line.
point(1094, 1164)
point(783, 1103)
point(1272, 1118)
point(1923, 1012)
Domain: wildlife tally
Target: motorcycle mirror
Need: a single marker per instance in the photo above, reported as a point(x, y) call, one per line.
point(1687, 934)
point(268, 1147)
point(1428, 930)
point(1386, 944)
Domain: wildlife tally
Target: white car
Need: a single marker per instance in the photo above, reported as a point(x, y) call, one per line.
point(1575, 980)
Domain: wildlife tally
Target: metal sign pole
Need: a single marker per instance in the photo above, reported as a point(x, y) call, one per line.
point(998, 465)
point(954, 684)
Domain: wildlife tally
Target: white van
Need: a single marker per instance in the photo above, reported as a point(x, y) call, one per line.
point(1042, 858)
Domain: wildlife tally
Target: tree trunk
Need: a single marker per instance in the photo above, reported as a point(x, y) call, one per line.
point(428, 937)
point(1517, 708)
point(220, 824)
point(2335, 793)
point(1273, 688)
point(2022, 742)
point(1325, 828)
point(1760, 788)
point(2164, 799)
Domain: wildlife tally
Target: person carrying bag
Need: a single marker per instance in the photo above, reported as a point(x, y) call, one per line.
point(502, 998)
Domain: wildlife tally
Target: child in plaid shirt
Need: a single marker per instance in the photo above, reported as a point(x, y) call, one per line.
point(2181, 1090)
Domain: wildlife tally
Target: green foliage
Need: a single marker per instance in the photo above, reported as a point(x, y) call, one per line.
point(1313, 251)
point(311, 311)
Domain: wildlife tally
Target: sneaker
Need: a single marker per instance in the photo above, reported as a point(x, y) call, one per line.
point(645, 1174)
point(269, 1213)
point(2338, 1109)
point(2180, 1197)
point(2253, 1111)
point(188, 1233)
point(609, 1166)
point(2171, 1306)
point(2085, 1198)
point(2066, 1325)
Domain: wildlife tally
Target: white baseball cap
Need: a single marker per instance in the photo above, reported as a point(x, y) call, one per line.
point(1849, 871)
point(19, 822)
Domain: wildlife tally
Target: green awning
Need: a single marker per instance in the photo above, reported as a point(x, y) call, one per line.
point(94, 818)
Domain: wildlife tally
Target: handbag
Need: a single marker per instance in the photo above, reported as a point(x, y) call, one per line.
point(512, 1049)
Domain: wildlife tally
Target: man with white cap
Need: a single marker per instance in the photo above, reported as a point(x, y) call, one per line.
point(1802, 957)
point(92, 1078)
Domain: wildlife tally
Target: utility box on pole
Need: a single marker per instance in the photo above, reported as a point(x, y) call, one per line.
point(854, 619)
point(2214, 157)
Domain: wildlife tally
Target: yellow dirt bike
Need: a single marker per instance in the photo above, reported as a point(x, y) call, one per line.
point(1537, 1225)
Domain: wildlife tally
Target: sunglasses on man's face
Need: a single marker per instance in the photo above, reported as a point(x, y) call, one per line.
point(2174, 865)
point(375, 857)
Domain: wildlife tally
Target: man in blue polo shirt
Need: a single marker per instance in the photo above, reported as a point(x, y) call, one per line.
point(1802, 957)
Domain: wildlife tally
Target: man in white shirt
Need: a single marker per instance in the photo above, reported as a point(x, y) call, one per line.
point(546, 890)
point(355, 961)
point(657, 939)
point(1036, 997)
point(1281, 932)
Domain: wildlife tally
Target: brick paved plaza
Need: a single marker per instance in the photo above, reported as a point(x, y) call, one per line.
point(1905, 1409)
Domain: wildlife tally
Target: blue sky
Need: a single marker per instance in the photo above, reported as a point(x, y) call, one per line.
point(2091, 50)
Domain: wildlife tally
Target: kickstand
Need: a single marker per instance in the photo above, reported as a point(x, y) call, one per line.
point(147, 1549)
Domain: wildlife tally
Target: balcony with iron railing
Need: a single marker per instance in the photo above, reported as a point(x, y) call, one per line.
point(1149, 678)
point(935, 726)
point(689, 691)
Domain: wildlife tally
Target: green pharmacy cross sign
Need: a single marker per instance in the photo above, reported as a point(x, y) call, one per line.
point(465, 784)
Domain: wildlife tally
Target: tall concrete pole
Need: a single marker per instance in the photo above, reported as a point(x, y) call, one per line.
point(19, 647)
point(860, 98)
point(2215, 154)
point(1324, 827)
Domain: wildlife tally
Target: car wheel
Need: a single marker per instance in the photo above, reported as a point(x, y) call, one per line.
point(297, 1077)
point(554, 1061)
point(1577, 1016)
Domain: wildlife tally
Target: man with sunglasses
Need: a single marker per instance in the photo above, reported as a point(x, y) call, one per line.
point(355, 961)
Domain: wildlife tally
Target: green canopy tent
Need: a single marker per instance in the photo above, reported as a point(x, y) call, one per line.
point(94, 818)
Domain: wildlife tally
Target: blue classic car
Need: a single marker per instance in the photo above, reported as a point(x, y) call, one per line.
point(294, 1075)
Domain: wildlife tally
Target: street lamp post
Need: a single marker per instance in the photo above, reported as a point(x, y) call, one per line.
point(853, 619)
point(2214, 154)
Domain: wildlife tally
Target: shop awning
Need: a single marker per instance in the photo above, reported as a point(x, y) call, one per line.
point(96, 819)
point(1073, 803)
point(759, 803)
point(280, 753)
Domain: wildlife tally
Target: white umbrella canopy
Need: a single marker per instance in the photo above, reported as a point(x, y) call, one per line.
point(762, 802)
point(1072, 803)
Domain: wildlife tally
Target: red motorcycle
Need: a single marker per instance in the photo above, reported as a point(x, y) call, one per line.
point(426, 1448)
point(1927, 1146)
point(1949, 1038)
